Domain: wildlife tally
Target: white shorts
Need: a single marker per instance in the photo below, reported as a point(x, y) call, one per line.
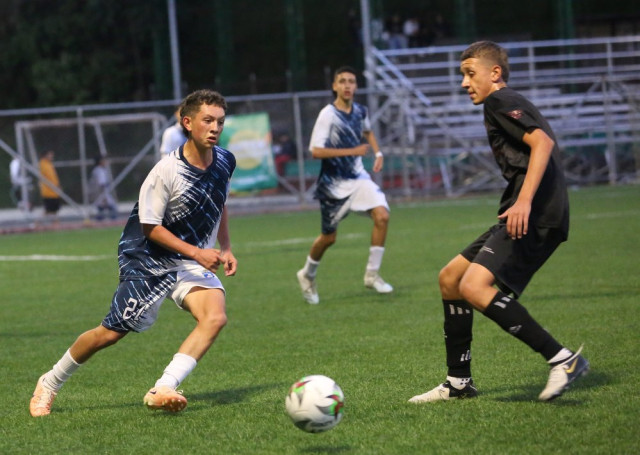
point(366, 195)
point(191, 278)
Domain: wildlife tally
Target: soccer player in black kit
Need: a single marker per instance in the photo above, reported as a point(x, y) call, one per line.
point(492, 272)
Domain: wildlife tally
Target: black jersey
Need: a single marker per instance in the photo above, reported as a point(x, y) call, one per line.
point(507, 117)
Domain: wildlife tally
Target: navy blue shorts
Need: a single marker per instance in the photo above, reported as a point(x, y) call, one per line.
point(135, 304)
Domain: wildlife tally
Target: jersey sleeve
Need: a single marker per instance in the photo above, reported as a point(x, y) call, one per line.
point(154, 196)
point(321, 129)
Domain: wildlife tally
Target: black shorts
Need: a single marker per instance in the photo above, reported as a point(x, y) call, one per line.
point(51, 205)
point(513, 262)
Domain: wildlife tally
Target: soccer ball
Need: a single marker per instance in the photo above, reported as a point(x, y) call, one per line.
point(315, 403)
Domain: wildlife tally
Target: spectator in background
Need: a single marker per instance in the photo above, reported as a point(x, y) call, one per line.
point(173, 137)
point(440, 28)
point(395, 34)
point(354, 26)
point(18, 181)
point(103, 200)
point(411, 29)
point(284, 150)
point(50, 198)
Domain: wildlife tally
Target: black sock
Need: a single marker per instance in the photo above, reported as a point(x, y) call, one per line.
point(509, 314)
point(458, 322)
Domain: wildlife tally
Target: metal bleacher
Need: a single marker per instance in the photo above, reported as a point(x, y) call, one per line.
point(588, 89)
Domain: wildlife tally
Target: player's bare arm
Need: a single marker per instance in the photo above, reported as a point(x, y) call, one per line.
point(517, 215)
point(224, 239)
point(379, 158)
point(207, 258)
point(321, 152)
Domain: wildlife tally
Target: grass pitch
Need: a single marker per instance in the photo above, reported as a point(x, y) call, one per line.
point(380, 349)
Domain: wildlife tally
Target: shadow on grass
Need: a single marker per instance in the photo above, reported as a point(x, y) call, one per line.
point(231, 396)
point(222, 397)
point(325, 449)
point(530, 393)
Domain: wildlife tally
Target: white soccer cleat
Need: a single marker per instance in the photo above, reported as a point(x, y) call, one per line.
point(165, 398)
point(374, 281)
point(446, 392)
point(561, 376)
point(42, 399)
point(308, 288)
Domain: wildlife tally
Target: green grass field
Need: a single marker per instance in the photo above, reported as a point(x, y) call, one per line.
point(380, 349)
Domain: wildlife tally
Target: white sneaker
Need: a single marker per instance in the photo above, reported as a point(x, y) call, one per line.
point(308, 288)
point(446, 392)
point(374, 281)
point(562, 375)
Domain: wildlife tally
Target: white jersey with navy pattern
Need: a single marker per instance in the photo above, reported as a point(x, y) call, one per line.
point(338, 129)
point(186, 200)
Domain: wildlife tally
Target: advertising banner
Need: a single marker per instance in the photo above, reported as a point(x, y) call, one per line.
point(248, 137)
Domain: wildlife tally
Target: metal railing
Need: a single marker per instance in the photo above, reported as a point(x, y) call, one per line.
point(587, 88)
point(433, 137)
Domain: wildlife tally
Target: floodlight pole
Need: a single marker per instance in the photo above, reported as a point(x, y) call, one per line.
point(369, 64)
point(370, 71)
point(175, 53)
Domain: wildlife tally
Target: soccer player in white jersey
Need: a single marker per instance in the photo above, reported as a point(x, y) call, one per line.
point(172, 137)
point(341, 136)
point(167, 250)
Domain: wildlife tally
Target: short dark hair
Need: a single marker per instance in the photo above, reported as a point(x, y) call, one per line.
point(191, 104)
point(344, 69)
point(490, 51)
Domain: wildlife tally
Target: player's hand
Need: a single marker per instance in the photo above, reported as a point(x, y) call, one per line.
point(517, 217)
point(210, 259)
point(378, 163)
point(230, 263)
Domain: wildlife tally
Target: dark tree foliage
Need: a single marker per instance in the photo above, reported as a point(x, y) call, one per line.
point(67, 52)
point(77, 51)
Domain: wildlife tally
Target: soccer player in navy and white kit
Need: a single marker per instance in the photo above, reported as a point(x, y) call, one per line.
point(167, 250)
point(533, 220)
point(343, 184)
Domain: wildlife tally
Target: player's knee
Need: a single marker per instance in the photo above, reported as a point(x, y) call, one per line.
point(381, 217)
point(103, 337)
point(329, 239)
point(449, 282)
point(215, 321)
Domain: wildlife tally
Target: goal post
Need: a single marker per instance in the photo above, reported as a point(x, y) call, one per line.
point(131, 142)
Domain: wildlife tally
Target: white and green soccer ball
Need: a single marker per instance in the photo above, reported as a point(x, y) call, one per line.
point(315, 403)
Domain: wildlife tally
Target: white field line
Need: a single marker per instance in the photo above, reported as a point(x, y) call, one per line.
point(281, 242)
point(625, 213)
point(54, 257)
point(296, 241)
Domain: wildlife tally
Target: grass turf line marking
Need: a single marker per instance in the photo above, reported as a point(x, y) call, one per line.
point(54, 257)
point(295, 241)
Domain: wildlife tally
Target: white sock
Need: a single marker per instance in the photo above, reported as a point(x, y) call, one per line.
point(375, 258)
point(61, 371)
point(311, 267)
point(178, 369)
point(458, 383)
point(563, 354)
